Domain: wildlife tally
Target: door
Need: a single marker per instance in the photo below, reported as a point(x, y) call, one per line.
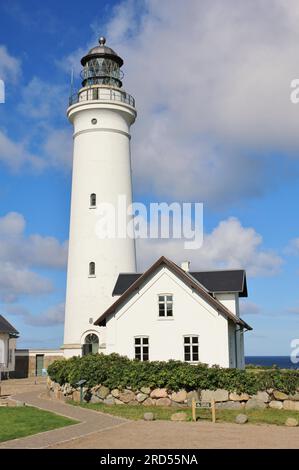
point(39, 364)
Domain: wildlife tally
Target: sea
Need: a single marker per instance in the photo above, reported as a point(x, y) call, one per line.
point(283, 362)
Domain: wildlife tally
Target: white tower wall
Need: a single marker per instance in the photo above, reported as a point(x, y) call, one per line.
point(101, 165)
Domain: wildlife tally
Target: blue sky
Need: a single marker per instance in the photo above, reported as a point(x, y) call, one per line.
point(215, 125)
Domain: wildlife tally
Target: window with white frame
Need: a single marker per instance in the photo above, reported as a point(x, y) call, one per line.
point(191, 348)
point(165, 305)
point(141, 344)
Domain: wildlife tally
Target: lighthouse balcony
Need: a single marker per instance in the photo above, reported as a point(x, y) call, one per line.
point(101, 93)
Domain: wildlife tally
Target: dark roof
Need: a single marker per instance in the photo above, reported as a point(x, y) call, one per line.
point(6, 327)
point(213, 281)
point(186, 277)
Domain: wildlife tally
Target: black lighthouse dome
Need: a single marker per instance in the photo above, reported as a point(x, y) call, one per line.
point(101, 66)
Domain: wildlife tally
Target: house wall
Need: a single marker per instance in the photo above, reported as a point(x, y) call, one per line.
point(230, 301)
point(191, 316)
point(26, 360)
point(7, 360)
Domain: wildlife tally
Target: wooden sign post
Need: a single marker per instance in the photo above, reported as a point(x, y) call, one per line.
point(213, 408)
point(193, 409)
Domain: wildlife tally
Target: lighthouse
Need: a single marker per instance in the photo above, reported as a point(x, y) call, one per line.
point(101, 113)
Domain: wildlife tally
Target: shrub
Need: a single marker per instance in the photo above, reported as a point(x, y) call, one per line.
point(115, 371)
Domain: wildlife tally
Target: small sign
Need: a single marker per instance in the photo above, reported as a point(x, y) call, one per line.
point(203, 404)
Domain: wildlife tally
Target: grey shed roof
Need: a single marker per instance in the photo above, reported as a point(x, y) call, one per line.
point(233, 280)
point(6, 327)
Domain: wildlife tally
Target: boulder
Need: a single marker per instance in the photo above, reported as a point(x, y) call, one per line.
point(181, 416)
point(241, 419)
point(148, 416)
point(291, 422)
point(141, 397)
point(294, 397)
point(133, 403)
point(261, 396)
point(118, 402)
point(149, 402)
point(291, 405)
point(280, 395)
point(217, 395)
point(239, 396)
point(159, 393)
point(163, 402)
point(179, 397)
point(229, 405)
point(115, 393)
point(275, 404)
point(145, 390)
point(95, 399)
point(127, 396)
point(103, 391)
point(109, 400)
point(254, 403)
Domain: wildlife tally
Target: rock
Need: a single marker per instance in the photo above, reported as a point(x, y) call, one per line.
point(280, 395)
point(109, 401)
point(115, 393)
point(163, 402)
point(118, 402)
point(149, 402)
point(193, 394)
point(179, 397)
point(145, 390)
point(229, 405)
point(127, 396)
point(159, 393)
point(217, 395)
point(133, 403)
point(239, 397)
point(181, 416)
point(261, 396)
point(76, 396)
point(275, 404)
point(270, 390)
point(294, 397)
point(291, 405)
point(254, 403)
point(241, 419)
point(95, 399)
point(148, 416)
point(291, 422)
point(103, 392)
point(141, 397)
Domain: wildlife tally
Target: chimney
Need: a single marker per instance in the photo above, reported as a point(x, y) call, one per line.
point(185, 266)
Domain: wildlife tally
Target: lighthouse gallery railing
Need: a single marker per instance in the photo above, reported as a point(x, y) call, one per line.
point(99, 94)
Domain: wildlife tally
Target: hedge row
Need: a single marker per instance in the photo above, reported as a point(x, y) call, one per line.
point(116, 371)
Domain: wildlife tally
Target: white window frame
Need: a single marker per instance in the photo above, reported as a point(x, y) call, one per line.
point(191, 336)
point(142, 345)
point(165, 302)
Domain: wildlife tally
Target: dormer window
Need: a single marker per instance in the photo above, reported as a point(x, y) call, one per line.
point(165, 305)
point(93, 200)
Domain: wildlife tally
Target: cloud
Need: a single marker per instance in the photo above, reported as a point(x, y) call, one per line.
point(51, 317)
point(15, 154)
point(213, 103)
point(229, 246)
point(249, 308)
point(293, 247)
point(19, 254)
point(58, 148)
point(10, 67)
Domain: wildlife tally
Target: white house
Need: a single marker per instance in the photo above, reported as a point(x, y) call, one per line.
point(170, 313)
point(8, 339)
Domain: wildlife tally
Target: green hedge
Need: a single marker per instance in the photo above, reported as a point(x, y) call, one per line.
point(116, 371)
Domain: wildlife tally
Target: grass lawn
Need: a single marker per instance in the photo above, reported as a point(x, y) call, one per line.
point(24, 421)
point(266, 416)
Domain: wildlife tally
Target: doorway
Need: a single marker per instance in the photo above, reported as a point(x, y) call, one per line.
point(91, 344)
point(39, 364)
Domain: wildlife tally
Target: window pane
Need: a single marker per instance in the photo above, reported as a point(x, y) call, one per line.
point(145, 357)
point(161, 298)
point(161, 310)
point(187, 339)
point(187, 357)
point(138, 356)
point(145, 340)
point(137, 340)
point(195, 340)
point(138, 350)
point(195, 356)
point(194, 349)
point(145, 350)
point(169, 298)
point(187, 349)
point(169, 310)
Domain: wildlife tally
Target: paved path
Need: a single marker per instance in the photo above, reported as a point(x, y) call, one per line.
point(89, 422)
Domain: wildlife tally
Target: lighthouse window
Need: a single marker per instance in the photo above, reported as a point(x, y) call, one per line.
point(93, 200)
point(92, 269)
point(94, 121)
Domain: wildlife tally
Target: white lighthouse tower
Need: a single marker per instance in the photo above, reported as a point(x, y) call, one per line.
point(101, 113)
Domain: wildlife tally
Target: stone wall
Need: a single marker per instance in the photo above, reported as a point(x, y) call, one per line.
point(163, 397)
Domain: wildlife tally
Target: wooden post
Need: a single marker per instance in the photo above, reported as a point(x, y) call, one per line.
point(193, 409)
point(213, 408)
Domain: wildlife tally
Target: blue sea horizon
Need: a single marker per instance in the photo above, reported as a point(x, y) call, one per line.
point(283, 362)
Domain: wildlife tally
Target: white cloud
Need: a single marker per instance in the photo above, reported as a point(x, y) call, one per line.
point(10, 67)
point(228, 246)
point(293, 247)
point(52, 316)
point(19, 253)
point(15, 154)
point(212, 83)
